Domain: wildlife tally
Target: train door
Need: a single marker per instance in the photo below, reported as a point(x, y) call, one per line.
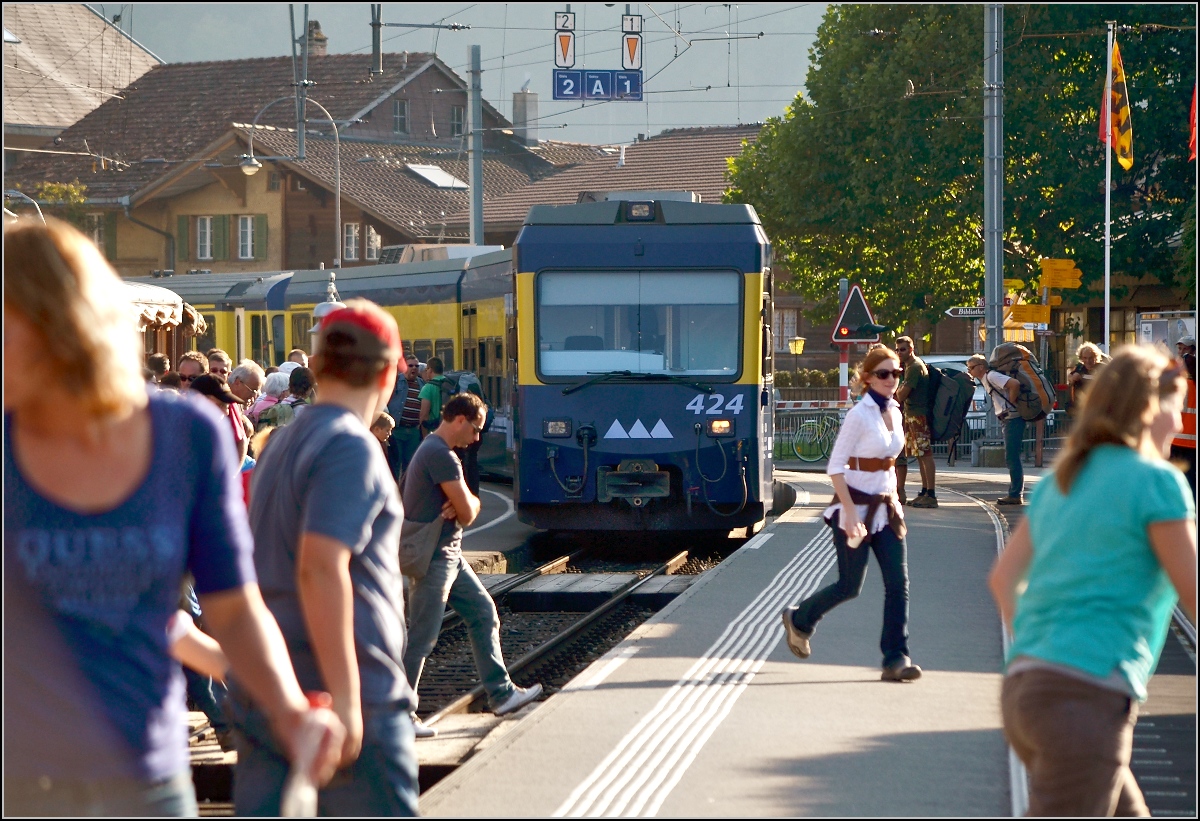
point(278, 342)
point(467, 332)
point(239, 334)
point(767, 389)
point(260, 339)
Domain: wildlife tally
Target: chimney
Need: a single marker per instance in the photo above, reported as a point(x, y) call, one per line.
point(525, 116)
point(621, 160)
point(317, 42)
point(376, 31)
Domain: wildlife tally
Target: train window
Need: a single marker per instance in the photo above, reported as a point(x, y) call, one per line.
point(443, 349)
point(423, 348)
point(277, 340)
point(258, 338)
point(208, 339)
point(301, 325)
point(672, 322)
point(482, 355)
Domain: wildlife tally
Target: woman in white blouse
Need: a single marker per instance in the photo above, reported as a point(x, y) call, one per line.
point(866, 511)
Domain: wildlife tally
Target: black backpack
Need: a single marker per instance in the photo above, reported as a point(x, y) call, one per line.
point(948, 399)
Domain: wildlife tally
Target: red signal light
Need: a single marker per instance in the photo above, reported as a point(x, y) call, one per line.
point(843, 331)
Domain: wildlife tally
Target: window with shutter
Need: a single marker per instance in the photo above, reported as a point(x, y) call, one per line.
point(181, 239)
point(260, 236)
point(221, 237)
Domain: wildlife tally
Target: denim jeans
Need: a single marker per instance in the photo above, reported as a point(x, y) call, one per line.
point(381, 782)
point(451, 580)
point(891, 552)
point(113, 797)
point(405, 442)
point(1014, 438)
point(208, 695)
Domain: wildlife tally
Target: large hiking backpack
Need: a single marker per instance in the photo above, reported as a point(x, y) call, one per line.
point(1036, 398)
point(948, 399)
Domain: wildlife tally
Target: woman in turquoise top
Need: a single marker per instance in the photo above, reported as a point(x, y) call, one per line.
point(1107, 545)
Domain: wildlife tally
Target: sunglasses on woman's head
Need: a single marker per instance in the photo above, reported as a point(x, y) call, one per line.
point(884, 374)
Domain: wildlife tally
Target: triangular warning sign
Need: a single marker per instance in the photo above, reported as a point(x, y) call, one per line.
point(616, 431)
point(631, 44)
point(564, 45)
point(855, 314)
point(638, 431)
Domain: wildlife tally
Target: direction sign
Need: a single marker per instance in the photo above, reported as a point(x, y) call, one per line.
point(1062, 279)
point(1030, 313)
point(1055, 301)
point(966, 312)
point(855, 324)
point(564, 49)
point(1014, 284)
point(631, 52)
point(597, 85)
point(568, 85)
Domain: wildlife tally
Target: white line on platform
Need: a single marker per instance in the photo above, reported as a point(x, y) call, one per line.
point(507, 514)
point(758, 541)
point(617, 657)
point(1018, 778)
point(646, 765)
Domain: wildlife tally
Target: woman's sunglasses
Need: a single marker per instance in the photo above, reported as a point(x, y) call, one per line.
point(884, 374)
point(183, 378)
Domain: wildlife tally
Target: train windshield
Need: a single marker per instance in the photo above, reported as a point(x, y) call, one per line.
point(678, 323)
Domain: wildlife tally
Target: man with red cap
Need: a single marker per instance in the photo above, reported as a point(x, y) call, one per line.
point(326, 517)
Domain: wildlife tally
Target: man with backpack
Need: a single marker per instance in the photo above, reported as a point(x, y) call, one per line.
point(1005, 391)
point(434, 393)
point(913, 396)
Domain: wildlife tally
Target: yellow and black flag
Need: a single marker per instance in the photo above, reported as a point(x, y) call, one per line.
point(1120, 133)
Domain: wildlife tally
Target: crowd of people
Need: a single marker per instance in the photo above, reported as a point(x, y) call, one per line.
point(243, 521)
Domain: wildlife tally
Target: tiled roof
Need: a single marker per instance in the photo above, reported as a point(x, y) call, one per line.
point(69, 61)
point(562, 154)
point(174, 111)
point(685, 159)
point(376, 179)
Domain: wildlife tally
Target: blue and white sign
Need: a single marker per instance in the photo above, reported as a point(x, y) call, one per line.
point(568, 85)
point(597, 85)
point(627, 85)
point(574, 84)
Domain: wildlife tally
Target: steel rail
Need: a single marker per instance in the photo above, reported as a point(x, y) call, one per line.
point(451, 619)
point(463, 703)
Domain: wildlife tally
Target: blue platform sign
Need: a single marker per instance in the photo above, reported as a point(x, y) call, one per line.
point(568, 84)
point(573, 84)
point(627, 85)
point(597, 85)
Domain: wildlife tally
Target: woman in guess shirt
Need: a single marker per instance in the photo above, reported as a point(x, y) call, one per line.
point(866, 511)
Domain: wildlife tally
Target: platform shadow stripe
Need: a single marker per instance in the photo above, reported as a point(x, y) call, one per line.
point(692, 731)
point(677, 700)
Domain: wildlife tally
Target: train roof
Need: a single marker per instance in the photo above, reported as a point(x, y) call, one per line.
point(667, 212)
point(408, 282)
point(229, 289)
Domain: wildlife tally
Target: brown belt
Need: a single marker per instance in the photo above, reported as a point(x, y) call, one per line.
point(870, 464)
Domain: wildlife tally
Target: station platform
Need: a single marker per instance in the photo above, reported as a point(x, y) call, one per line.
point(703, 711)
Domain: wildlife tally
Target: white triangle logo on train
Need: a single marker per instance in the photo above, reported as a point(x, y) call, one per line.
point(638, 431)
point(616, 431)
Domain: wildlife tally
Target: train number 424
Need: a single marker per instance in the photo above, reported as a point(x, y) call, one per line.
point(714, 402)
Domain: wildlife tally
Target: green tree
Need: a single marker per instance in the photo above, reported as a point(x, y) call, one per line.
point(64, 199)
point(876, 174)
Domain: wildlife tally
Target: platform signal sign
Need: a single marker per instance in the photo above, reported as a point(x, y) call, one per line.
point(855, 323)
point(564, 49)
point(631, 52)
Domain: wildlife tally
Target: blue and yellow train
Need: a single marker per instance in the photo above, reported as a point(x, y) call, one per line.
point(643, 367)
point(624, 346)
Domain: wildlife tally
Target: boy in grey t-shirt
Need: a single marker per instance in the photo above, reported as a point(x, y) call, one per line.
point(434, 486)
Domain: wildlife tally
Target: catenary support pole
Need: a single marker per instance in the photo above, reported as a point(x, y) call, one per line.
point(993, 172)
point(475, 146)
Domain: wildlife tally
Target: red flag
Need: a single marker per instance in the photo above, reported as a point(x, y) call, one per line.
point(1120, 134)
point(1192, 138)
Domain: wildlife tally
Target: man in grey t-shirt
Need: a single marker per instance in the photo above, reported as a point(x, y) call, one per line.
point(326, 518)
point(433, 487)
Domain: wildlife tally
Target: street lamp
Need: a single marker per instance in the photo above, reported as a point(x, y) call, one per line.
point(250, 167)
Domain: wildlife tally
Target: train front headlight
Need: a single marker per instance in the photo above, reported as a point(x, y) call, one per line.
point(556, 428)
point(720, 428)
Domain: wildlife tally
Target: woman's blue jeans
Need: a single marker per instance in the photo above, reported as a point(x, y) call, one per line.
point(892, 554)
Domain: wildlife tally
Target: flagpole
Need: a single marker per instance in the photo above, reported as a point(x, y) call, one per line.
point(1108, 152)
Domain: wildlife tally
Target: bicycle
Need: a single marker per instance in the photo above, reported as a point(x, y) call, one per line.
point(814, 437)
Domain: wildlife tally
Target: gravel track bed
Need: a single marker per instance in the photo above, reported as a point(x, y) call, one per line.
point(450, 670)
